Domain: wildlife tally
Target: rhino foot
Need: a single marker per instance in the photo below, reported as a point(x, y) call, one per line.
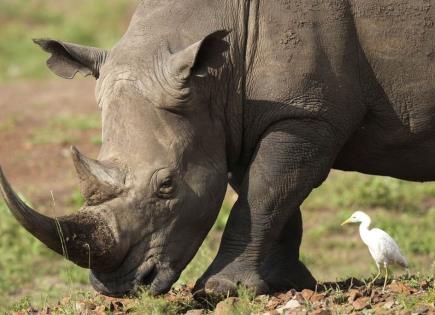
point(225, 283)
point(282, 276)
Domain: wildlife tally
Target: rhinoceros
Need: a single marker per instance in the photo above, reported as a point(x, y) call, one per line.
point(267, 96)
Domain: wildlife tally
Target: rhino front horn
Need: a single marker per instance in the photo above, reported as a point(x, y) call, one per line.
point(98, 181)
point(84, 238)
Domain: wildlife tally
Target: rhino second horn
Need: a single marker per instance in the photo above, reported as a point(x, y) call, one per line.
point(99, 182)
point(85, 238)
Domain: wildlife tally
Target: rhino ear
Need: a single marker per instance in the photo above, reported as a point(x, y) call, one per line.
point(198, 57)
point(67, 59)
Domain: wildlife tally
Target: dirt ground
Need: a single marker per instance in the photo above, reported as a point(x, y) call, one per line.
point(36, 170)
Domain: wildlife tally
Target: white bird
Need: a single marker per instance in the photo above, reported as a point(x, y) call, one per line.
point(382, 247)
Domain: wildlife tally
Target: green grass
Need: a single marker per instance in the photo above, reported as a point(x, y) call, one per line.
point(98, 23)
point(28, 269)
point(65, 129)
point(358, 191)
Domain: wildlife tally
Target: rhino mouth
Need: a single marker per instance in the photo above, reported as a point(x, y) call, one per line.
point(137, 270)
point(117, 284)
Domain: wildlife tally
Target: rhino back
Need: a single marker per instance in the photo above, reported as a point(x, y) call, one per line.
point(397, 50)
point(398, 46)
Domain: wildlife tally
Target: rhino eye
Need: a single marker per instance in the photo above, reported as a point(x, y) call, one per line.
point(166, 188)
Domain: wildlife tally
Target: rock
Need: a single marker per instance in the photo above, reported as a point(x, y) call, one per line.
point(298, 297)
point(195, 312)
point(100, 310)
point(274, 312)
point(289, 307)
point(273, 303)
point(32, 310)
point(226, 307)
point(80, 307)
point(353, 295)
point(422, 309)
point(389, 298)
point(361, 303)
point(316, 297)
point(292, 304)
point(424, 284)
point(307, 294)
point(320, 312)
point(388, 305)
point(399, 287)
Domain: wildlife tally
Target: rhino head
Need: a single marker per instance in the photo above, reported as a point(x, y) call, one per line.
point(161, 175)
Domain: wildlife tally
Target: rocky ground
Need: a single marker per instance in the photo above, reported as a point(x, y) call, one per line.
point(406, 295)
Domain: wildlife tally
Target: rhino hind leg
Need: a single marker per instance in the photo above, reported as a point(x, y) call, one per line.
point(260, 244)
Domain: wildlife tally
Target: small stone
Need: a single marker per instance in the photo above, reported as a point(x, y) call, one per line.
point(273, 312)
point(389, 298)
point(353, 295)
point(307, 294)
point(388, 305)
point(226, 307)
point(195, 312)
point(399, 287)
point(361, 303)
point(321, 312)
point(298, 297)
point(424, 284)
point(292, 304)
point(316, 297)
point(273, 303)
point(422, 310)
point(32, 310)
point(100, 310)
point(80, 307)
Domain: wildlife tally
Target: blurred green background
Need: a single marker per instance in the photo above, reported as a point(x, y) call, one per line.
point(50, 116)
point(96, 23)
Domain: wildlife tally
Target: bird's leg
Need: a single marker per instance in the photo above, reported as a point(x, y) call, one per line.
point(377, 275)
point(386, 278)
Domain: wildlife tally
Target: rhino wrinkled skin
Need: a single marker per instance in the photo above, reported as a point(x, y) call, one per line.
point(268, 96)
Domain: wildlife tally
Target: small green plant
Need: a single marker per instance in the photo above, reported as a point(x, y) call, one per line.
point(22, 304)
point(247, 302)
point(152, 305)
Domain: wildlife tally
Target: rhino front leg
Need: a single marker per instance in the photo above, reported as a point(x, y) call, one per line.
point(260, 245)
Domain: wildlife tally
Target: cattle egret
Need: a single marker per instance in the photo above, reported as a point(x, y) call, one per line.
point(382, 247)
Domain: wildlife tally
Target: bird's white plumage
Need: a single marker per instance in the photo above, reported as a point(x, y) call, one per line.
point(382, 246)
point(384, 249)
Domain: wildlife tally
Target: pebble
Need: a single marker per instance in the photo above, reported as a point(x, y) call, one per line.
point(353, 295)
point(195, 312)
point(321, 312)
point(388, 305)
point(307, 294)
point(292, 304)
point(361, 303)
